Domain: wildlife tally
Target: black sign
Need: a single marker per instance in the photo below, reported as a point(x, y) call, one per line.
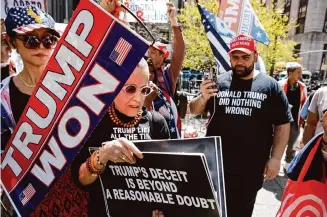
point(209, 146)
point(176, 184)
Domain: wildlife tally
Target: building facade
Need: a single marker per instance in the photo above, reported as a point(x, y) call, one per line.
point(311, 31)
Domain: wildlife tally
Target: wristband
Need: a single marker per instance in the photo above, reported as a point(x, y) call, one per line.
point(98, 158)
point(90, 166)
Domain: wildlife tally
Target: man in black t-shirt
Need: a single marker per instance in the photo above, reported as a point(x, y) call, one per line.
point(251, 114)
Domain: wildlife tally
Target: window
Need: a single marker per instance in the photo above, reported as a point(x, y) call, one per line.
point(325, 23)
point(301, 16)
point(296, 51)
point(287, 8)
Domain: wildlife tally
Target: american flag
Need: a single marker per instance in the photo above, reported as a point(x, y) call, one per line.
point(217, 43)
point(220, 36)
point(27, 194)
point(30, 18)
point(120, 52)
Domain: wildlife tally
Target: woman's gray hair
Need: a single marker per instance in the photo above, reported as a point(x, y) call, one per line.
point(143, 65)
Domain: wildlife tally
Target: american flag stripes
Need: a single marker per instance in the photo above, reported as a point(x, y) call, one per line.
point(218, 46)
point(28, 19)
point(120, 51)
point(27, 194)
point(29, 28)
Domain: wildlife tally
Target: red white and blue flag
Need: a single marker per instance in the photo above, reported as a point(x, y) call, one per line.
point(27, 194)
point(120, 52)
point(78, 85)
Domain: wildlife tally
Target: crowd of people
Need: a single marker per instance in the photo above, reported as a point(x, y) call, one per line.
point(256, 116)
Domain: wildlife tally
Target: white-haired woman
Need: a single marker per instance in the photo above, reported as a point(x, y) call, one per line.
point(127, 119)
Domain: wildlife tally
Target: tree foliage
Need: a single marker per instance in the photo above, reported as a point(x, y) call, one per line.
point(198, 52)
point(280, 48)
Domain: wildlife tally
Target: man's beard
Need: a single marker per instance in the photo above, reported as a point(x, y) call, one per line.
point(244, 72)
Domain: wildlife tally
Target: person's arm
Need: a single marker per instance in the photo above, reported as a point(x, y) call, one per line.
point(178, 47)
point(310, 128)
point(313, 118)
point(120, 150)
point(305, 109)
point(281, 118)
point(281, 135)
point(198, 104)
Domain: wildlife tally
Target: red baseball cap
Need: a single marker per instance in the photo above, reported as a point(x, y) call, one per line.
point(162, 47)
point(244, 43)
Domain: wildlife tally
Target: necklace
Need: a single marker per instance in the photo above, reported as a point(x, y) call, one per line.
point(113, 116)
point(26, 84)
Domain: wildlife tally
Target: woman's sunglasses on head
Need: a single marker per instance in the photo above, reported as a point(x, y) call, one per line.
point(33, 42)
point(131, 89)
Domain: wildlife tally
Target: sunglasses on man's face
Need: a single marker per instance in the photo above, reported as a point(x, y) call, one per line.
point(33, 42)
point(131, 89)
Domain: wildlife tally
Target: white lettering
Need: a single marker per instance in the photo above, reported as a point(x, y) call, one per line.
point(107, 84)
point(48, 101)
point(56, 159)
point(78, 40)
point(11, 162)
point(79, 114)
point(22, 146)
point(66, 58)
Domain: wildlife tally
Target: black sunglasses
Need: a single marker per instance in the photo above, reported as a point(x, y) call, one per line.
point(131, 89)
point(33, 42)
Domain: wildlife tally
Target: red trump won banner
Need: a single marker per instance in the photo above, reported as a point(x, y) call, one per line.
point(84, 74)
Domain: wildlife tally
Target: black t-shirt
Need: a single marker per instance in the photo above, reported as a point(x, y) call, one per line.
point(294, 96)
point(4, 72)
point(151, 126)
point(244, 115)
point(18, 101)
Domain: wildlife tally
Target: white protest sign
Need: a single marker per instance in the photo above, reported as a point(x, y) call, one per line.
point(7, 4)
point(154, 11)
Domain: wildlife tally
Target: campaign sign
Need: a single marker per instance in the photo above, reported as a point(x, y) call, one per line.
point(92, 61)
point(211, 147)
point(177, 184)
point(154, 11)
point(7, 4)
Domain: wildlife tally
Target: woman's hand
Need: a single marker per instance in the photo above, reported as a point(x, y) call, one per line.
point(120, 150)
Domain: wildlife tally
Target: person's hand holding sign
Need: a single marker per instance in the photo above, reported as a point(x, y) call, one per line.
point(112, 6)
point(120, 150)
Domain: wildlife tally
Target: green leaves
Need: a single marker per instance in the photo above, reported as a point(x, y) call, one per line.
point(198, 52)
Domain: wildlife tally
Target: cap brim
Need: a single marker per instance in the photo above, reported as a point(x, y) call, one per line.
point(247, 51)
point(32, 27)
point(154, 46)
